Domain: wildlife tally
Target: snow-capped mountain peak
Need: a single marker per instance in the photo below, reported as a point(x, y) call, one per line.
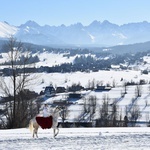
point(99, 33)
point(7, 30)
point(30, 23)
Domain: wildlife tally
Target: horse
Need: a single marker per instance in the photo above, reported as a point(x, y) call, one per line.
point(34, 126)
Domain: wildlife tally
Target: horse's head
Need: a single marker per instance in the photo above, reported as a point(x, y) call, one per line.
point(58, 109)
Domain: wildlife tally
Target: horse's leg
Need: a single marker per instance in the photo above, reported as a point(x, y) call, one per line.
point(57, 131)
point(55, 134)
point(31, 127)
point(35, 132)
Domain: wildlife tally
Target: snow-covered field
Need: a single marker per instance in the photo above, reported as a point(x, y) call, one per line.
point(77, 139)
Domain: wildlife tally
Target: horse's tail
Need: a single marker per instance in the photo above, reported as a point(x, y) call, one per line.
point(31, 125)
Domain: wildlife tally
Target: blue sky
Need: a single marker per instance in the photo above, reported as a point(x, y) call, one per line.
point(57, 12)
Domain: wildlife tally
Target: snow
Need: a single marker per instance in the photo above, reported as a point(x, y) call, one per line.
point(7, 30)
point(52, 59)
point(92, 37)
point(119, 35)
point(77, 139)
point(64, 79)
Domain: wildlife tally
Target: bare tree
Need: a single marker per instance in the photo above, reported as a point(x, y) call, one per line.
point(85, 106)
point(113, 83)
point(125, 87)
point(138, 90)
point(89, 106)
point(18, 59)
point(149, 89)
point(114, 114)
point(91, 84)
point(92, 105)
point(134, 114)
point(104, 111)
point(108, 113)
point(64, 113)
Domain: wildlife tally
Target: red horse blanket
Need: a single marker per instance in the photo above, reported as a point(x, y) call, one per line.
point(44, 122)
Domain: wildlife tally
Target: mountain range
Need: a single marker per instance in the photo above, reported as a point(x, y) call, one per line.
point(95, 34)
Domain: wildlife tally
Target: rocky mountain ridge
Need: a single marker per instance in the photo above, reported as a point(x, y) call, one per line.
point(95, 34)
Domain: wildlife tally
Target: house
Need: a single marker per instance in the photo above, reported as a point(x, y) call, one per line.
point(103, 88)
point(49, 91)
point(60, 89)
point(75, 88)
point(60, 103)
point(73, 97)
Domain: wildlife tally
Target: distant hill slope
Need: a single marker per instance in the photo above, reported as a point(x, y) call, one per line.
point(120, 49)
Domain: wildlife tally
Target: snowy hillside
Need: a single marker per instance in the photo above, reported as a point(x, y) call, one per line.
point(7, 30)
point(114, 94)
point(52, 59)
